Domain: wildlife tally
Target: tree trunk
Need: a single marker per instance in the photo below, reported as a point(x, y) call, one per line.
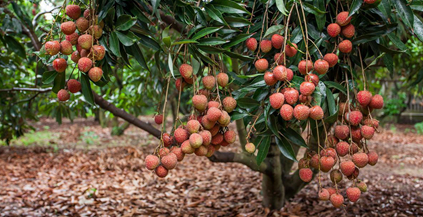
point(272, 186)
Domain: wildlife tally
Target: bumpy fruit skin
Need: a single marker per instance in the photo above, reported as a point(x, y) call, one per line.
point(82, 24)
point(213, 104)
point(169, 161)
point(291, 50)
point(332, 141)
point(291, 96)
point(210, 151)
point(99, 52)
point(201, 151)
point(373, 158)
point(60, 64)
point(193, 126)
point(367, 132)
point(73, 11)
point(87, 13)
point(353, 194)
point(321, 66)
point(331, 58)
point(75, 56)
point(345, 46)
point(301, 112)
point(213, 114)
point(185, 70)
point(376, 102)
point(222, 79)
point(68, 27)
point(163, 152)
point(250, 147)
point(312, 78)
point(265, 46)
point(161, 171)
point(324, 194)
point(261, 65)
point(287, 112)
point(343, 108)
point(326, 163)
point(251, 44)
point(204, 92)
point(279, 58)
point(354, 118)
point(187, 148)
point(167, 139)
point(356, 134)
point(334, 29)
point(199, 102)
point(315, 161)
point(331, 191)
point(178, 153)
point(85, 41)
point(66, 47)
point(342, 148)
point(72, 38)
point(224, 119)
point(280, 73)
point(74, 86)
point(209, 82)
point(276, 100)
point(151, 162)
point(342, 132)
point(158, 119)
point(196, 140)
point(270, 79)
point(362, 186)
point(230, 136)
point(335, 176)
point(181, 135)
point(52, 47)
point(347, 168)
point(305, 99)
point(180, 84)
point(348, 31)
point(207, 137)
point(218, 139)
point(305, 67)
point(306, 174)
point(63, 95)
point(214, 130)
point(207, 124)
point(342, 18)
point(316, 113)
point(360, 159)
point(229, 104)
point(96, 31)
point(290, 74)
point(95, 74)
point(307, 88)
point(303, 163)
point(337, 200)
point(84, 53)
point(277, 41)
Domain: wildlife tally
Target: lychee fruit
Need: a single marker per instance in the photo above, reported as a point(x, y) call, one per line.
point(207, 124)
point(181, 135)
point(98, 51)
point(207, 137)
point(301, 112)
point(213, 114)
point(210, 151)
point(60, 64)
point(167, 139)
point(204, 92)
point(331, 191)
point(169, 161)
point(360, 159)
point(211, 104)
point(337, 200)
point(178, 153)
point(66, 47)
point(354, 117)
point(324, 194)
point(342, 18)
point(367, 132)
point(209, 82)
point(161, 171)
point(347, 167)
point(185, 70)
point(73, 11)
point(261, 65)
point(84, 53)
point(303, 163)
point(270, 79)
point(193, 126)
point(229, 104)
point(250, 147)
point(199, 102)
point(335, 176)
point(230, 136)
point(163, 152)
point(331, 58)
point(196, 140)
point(214, 130)
point(291, 51)
point(316, 113)
point(356, 134)
point(305, 99)
point(187, 148)
point(84, 64)
point(265, 46)
point(342, 148)
point(151, 162)
point(348, 31)
point(276, 100)
point(353, 194)
point(87, 13)
point(307, 88)
point(251, 44)
point(180, 84)
point(342, 132)
point(329, 152)
point(312, 78)
point(72, 38)
point(306, 174)
point(96, 31)
point(63, 95)
point(201, 151)
point(333, 30)
point(82, 24)
point(85, 41)
point(74, 86)
point(95, 74)
point(279, 58)
point(68, 27)
point(354, 148)
point(332, 141)
point(343, 108)
point(345, 46)
point(376, 102)
point(224, 119)
point(315, 161)
point(280, 73)
point(277, 41)
point(291, 96)
point(362, 186)
point(326, 163)
point(217, 139)
point(373, 158)
point(222, 79)
point(321, 66)
point(305, 67)
point(290, 74)
point(52, 47)
point(75, 56)
point(287, 112)
point(158, 119)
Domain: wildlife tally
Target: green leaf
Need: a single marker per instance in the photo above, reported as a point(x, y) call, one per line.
point(313, 10)
point(393, 37)
point(418, 27)
point(331, 102)
point(273, 29)
point(335, 85)
point(135, 51)
point(280, 4)
point(355, 6)
point(49, 76)
point(263, 148)
point(236, 116)
point(237, 22)
point(86, 88)
point(185, 41)
point(238, 39)
point(389, 62)
point(125, 22)
point(205, 31)
point(149, 42)
point(14, 46)
point(419, 78)
point(212, 41)
point(114, 44)
point(127, 39)
point(170, 64)
point(239, 56)
point(247, 103)
point(215, 14)
point(286, 148)
point(155, 4)
point(294, 137)
point(405, 12)
point(228, 6)
point(59, 82)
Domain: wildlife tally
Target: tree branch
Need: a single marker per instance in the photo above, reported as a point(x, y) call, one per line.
point(39, 90)
point(249, 161)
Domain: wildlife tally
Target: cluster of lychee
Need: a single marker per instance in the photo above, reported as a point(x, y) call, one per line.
point(82, 32)
point(206, 130)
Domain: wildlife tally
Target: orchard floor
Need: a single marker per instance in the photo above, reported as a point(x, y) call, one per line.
point(78, 169)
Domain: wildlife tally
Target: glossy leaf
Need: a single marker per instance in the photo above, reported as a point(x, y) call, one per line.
point(86, 88)
point(49, 76)
point(114, 44)
point(286, 148)
point(263, 145)
point(125, 22)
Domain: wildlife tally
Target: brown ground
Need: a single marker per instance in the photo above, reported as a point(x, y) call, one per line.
point(69, 175)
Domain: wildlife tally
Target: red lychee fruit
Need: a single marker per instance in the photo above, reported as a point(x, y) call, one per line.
point(279, 58)
point(280, 73)
point(161, 171)
point(78, 47)
point(224, 119)
point(52, 47)
point(331, 58)
point(290, 74)
point(291, 51)
point(276, 100)
point(261, 65)
point(178, 153)
point(303, 163)
point(373, 158)
point(250, 147)
point(230, 136)
point(291, 96)
point(85, 41)
point(354, 148)
point(316, 113)
point(163, 152)
point(187, 148)
point(332, 141)
point(305, 99)
point(265, 46)
point(98, 51)
point(151, 162)
point(158, 119)
point(312, 78)
point(367, 132)
point(342, 18)
point(222, 79)
point(287, 112)
point(95, 74)
point(348, 31)
point(207, 137)
point(321, 66)
point(307, 88)
point(181, 135)
point(213, 104)
point(207, 124)
point(217, 139)
point(196, 140)
point(342, 148)
point(345, 46)
point(356, 134)
point(329, 152)
point(337, 200)
point(74, 86)
point(342, 132)
point(214, 130)
point(199, 102)
point(326, 163)
point(209, 82)
point(362, 186)
point(66, 47)
point(354, 117)
point(353, 194)
point(84, 53)
point(305, 67)
point(229, 104)
point(343, 108)
point(60, 64)
point(73, 11)
point(306, 174)
point(96, 31)
point(75, 56)
point(335, 176)
point(324, 194)
point(201, 151)
point(180, 84)
point(301, 112)
point(204, 92)
point(72, 38)
point(169, 161)
point(185, 70)
point(213, 114)
point(167, 139)
point(277, 41)
point(251, 44)
point(370, 1)
point(270, 79)
point(315, 161)
point(333, 30)
point(210, 151)
point(347, 167)
point(87, 13)
point(68, 27)
point(193, 126)
point(360, 159)
point(376, 102)
point(82, 24)
point(63, 95)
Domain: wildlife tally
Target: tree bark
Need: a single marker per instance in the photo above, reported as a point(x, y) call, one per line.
point(273, 188)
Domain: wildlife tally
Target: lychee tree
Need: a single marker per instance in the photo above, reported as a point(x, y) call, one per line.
point(290, 73)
